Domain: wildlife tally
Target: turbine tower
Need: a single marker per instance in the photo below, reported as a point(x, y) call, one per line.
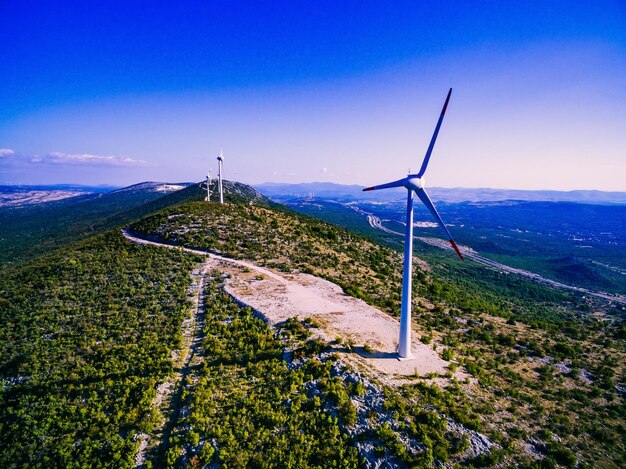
point(220, 162)
point(414, 183)
point(208, 186)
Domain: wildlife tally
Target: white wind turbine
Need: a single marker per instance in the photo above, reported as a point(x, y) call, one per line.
point(220, 162)
point(208, 186)
point(414, 183)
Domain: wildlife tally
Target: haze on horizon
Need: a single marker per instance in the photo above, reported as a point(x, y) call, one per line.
point(346, 93)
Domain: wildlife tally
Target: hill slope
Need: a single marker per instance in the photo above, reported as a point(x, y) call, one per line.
point(539, 365)
point(91, 331)
point(34, 229)
point(85, 338)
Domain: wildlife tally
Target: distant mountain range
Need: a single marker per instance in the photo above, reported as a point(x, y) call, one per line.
point(329, 190)
point(152, 186)
point(24, 196)
point(57, 187)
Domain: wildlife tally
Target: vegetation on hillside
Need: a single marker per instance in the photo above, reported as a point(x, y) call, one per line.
point(547, 378)
point(248, 408)
point(86, 335)
point(285, 241)
point(279, 397)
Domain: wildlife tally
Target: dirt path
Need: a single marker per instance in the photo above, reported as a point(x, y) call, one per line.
point(370, 333)
point(168, 393)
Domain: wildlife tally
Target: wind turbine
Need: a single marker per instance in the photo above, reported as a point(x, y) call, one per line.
point(208, 186)
point(414, 183)
point(220, 162)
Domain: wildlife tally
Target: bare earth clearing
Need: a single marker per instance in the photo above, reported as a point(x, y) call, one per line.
point(278, 296)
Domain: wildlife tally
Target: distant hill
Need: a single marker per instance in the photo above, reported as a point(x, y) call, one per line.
point(21, 196)
point(341, 192)
point(165, 187)
point(494, 195)
point(32, 229)
point(56, 187)
point(234, 192)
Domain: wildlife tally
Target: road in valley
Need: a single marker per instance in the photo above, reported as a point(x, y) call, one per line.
point(377, 223)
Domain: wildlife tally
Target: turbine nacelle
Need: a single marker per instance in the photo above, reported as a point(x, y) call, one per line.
point(415, 183)
point(220, 161)
point(411, 182)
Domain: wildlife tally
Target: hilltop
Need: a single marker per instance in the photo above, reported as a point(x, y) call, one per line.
point(535, 358)
point(35, 228)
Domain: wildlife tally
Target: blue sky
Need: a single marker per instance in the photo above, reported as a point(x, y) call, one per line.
point(339, 91)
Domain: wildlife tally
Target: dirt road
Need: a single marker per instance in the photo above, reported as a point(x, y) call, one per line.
point(371, 334)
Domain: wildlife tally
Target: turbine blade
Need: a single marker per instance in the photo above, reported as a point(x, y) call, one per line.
point(434, 138)
point(423, 195)
point(398, 183)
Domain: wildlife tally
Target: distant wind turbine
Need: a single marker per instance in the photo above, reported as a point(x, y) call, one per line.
point(220, 162)
point(208, 186)
point(415, 183)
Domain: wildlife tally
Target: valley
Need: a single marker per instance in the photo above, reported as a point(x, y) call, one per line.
point(576, 244)
point(375, 222)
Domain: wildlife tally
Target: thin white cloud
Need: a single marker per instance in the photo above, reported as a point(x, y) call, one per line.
point(280, 173)
point(69, 159)
point(59, 158)
point(328, 173)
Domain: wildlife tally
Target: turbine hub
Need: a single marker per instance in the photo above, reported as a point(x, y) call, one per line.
point(416, 183)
